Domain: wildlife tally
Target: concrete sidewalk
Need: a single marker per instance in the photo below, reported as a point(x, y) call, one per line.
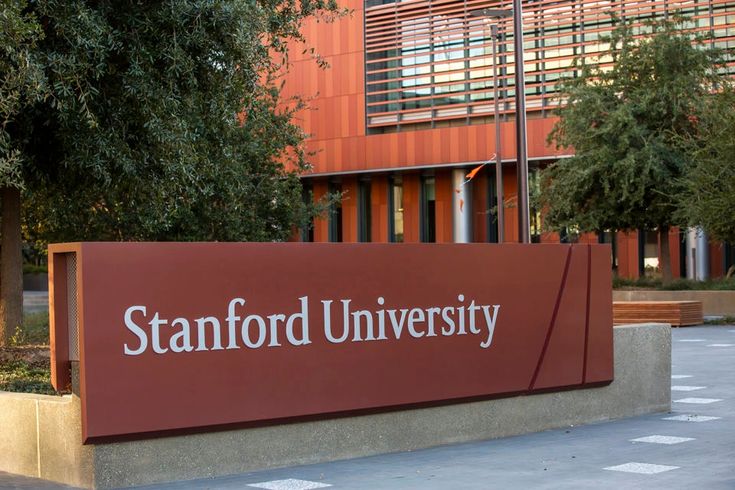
point(693, 447)
point(35, 301)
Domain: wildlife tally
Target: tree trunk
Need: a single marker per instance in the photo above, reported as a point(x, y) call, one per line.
point(11, 265)
point(663, 239)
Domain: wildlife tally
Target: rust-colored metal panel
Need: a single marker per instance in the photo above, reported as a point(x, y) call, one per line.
point(59, 320)
point(443, 206)
point(208, 334)
point(628, 254)
point(379, 209)
point(565, 340)
point(716, 261)
point(411, 208)
point(675, 251)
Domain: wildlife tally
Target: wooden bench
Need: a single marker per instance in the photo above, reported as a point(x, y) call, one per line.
point(677, 313)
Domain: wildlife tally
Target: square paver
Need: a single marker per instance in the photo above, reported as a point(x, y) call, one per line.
point(686, 388)
point(663, 439)
point(698, 401)
point(691, 418)
point(289, 484)
point(641, 468)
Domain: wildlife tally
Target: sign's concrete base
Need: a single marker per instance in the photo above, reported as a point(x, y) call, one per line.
point(40, 435)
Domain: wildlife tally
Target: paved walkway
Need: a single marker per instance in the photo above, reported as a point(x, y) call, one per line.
point(35, 301)
point(691, 448)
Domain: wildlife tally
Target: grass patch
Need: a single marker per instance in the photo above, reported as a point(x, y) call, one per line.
point(725, 284)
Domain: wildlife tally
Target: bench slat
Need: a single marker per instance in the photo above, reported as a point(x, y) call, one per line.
point(679, 313)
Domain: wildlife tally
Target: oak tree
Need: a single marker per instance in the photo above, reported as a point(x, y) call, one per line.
point(624, 121)
point(138, 120)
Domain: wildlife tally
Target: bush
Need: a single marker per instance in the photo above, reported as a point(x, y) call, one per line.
point(34, 269)
point(724, 284)
point(725, 320)
point(24, 365)
point(644, 282)
point(25, 377)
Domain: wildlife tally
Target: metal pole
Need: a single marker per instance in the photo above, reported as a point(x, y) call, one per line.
point(498, 159)
point(524, 229)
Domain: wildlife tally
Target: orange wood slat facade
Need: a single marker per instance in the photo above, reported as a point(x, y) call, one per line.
point(337, 123)
point(335, 119)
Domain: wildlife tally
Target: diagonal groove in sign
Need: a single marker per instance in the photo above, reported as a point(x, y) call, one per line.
point(553, 319)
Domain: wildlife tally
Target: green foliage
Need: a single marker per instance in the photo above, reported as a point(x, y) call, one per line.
point(35, 330)
point(725, 284)
point(21, 82)
point(644, 282)
point(26, 377)
point(25, 365)
point(725, 320)
point(34, 269)
point(625, 125)
point(159, 120)
point(708, 186)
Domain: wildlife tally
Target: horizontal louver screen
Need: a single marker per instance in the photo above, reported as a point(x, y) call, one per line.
point(429, 62)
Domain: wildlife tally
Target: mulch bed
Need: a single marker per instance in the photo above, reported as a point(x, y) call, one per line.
point(35, 355)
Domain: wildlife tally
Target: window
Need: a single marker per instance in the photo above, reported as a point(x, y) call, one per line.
point(428, 209)
point(611, 238)
point(648, 244)
point(307, 231)
point(395, 210)
point(728, 256)
point(335, 214)
point(492, 217)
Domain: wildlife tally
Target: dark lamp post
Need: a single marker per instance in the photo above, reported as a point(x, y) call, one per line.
point(496, 14)
point(524, 229)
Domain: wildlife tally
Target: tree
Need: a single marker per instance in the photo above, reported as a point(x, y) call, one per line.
point(625, 123)
point(152, 120)
point(707, 199)
point(21, 83)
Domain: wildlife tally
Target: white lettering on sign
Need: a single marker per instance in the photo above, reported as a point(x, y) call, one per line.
point(239, 329)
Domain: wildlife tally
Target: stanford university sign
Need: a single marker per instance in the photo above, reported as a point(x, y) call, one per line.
point(172, 336)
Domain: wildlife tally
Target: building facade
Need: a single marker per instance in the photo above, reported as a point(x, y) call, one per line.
point(406, 109)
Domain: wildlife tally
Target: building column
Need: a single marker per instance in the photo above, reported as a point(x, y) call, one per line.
point(461, 207)
point(697, 255)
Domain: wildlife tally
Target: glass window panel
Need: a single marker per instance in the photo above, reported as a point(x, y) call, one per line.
point(396, 211)
point(476, 96)
point(450, 88)
point(481, 62)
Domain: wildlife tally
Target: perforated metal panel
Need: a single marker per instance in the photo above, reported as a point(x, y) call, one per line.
point(71, 288)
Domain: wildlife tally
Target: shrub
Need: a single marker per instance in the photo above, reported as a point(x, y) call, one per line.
point(25, 377)
point(723, 284)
